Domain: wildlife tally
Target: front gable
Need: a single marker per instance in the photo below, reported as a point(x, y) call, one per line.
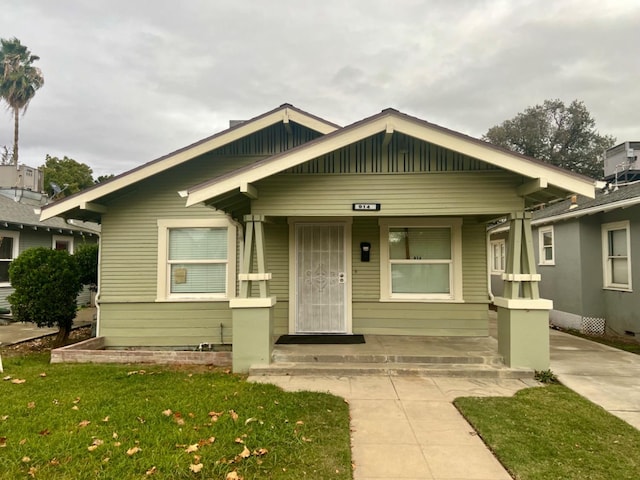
point(394, 143)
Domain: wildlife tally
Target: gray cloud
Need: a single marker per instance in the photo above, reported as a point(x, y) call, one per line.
point(127, 82)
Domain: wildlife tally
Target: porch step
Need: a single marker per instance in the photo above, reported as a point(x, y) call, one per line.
point(288, 357)
point(460, 370)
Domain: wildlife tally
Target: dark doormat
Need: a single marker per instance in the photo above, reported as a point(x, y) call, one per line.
point(320, 339)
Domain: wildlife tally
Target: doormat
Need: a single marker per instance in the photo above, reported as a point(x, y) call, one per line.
point(320, 339)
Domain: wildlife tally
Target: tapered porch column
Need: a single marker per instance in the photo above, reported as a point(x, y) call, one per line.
point(252, 316)
point(523, 317)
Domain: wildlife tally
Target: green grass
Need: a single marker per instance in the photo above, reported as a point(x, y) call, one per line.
point(553, 433)
point(44, 429)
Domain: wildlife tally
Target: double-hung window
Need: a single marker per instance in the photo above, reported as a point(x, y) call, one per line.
point(546, 250)
point(197, 259)
point(8, 251)
point(498, 249)
point(616, 258)
point(420, 259)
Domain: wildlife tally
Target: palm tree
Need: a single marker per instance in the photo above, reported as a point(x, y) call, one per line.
point(19, 80)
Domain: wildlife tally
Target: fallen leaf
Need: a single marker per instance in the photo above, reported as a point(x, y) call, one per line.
point(249, 420)
point(151, 471)
point(140, 419)
point(44, 432)
point(75, 407)
point(233, 414)
point(31, 405)
point(4, 417)
point(115, 435)
point(233, 476)
point(305, 439)
point(91, 448)
point(43, 374)
point(196, 458)
point(3, 442)
point(191, 448)
point(105, 419)
point(26, 459)
point(195, 468)
point(167, 412)
point(54, 462)
point(8, 377)
point(191, 415)
point(117, 444)
point(18, 381)
point(97, 442)
point(105, 459)
point(23, 441)
point(259, 452)
point(77, 400)
point(84, 423)
point(245, 453)
point(32, 472)
point(133, 451)
point(299, 422)
point(239, 440)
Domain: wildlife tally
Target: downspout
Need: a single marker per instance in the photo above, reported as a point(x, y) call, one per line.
point(489, 291)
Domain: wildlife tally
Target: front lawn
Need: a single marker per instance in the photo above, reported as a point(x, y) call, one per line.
point(111, 421)
point(553, 433)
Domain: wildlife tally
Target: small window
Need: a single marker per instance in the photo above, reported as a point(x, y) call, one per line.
point(420, 259)
point(498, 248)
point(62, 242)
point(196, 259)
point(546, 253)
point(616, 257)
point(8, 251)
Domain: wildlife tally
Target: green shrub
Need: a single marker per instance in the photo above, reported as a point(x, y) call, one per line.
point(86, 256)
point(46, 283)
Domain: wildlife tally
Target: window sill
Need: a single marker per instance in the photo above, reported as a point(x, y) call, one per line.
point(191, 299)
point(618, 289)
point(420, 300)
point(548, 264)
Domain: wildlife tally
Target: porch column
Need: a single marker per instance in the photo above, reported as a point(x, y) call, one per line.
point(252, 316)
point(523, 317)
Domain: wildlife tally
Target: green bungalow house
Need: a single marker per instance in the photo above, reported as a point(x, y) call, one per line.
point(290, 224)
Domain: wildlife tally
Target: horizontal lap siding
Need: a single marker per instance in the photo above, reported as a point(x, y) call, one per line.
point(164, 324)
point(438, 319)
point(450, 193)
point(474, 261)
point(129, 314)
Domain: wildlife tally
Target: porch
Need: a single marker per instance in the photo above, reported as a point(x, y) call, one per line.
point(396, 355)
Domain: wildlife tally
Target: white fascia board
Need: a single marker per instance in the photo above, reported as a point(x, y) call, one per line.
point(340, 139)
point(182, 156)
point(499, 158)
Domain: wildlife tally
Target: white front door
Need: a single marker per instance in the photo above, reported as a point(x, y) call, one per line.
point(321, 283)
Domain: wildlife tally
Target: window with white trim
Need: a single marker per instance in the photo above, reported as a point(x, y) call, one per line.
point(420, 259)
point(196, 259)
point(8, 251)
point(546, 246)
point(498, 249)
point(62, 242)
point(616, 255)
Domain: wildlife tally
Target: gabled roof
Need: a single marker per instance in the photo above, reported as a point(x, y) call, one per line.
point(16, 214)
point(85, 200)
point(389, 121)
point(606, 200)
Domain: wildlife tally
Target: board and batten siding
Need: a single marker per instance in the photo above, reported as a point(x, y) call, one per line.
point(416, 194)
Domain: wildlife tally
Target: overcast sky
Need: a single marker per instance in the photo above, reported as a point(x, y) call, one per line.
point(127, 81)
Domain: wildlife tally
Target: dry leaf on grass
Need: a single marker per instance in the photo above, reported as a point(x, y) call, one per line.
point(151, 471)
point(133, 451)
point(234, 415)
point(84, 423)
point(191, 448)
point(44, 432)
point(3, 442)
point(105, 419)
point(75, 407)
point(167, 412)
point(245, 453)
point(31, 405)
point(26, 459)
point(233, 476)
point(43, 374)
point(18, 381)
point(91, 448)
point(195, 468)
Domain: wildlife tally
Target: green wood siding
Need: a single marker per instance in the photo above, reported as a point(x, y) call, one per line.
point(399, 194)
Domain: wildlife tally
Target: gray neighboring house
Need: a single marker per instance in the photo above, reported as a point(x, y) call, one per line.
point(21, 228)
point(587, 252)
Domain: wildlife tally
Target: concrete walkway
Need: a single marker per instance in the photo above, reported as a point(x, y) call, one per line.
point(407, 427)
point(606, 376)
point(17, 332)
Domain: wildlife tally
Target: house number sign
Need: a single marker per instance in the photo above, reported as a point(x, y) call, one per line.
point(366, 206)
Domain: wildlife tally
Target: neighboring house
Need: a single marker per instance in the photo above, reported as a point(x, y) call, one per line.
point(287, 223)
point(21, 228)
point(584, 250)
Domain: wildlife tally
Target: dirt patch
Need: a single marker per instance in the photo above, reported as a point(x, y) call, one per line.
point(45, 344)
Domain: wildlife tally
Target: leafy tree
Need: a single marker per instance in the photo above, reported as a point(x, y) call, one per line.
point(104, 178)
point(564, 136)
point(19, 81)
point(68, 174)
point(46, 284)
point(86, 256)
